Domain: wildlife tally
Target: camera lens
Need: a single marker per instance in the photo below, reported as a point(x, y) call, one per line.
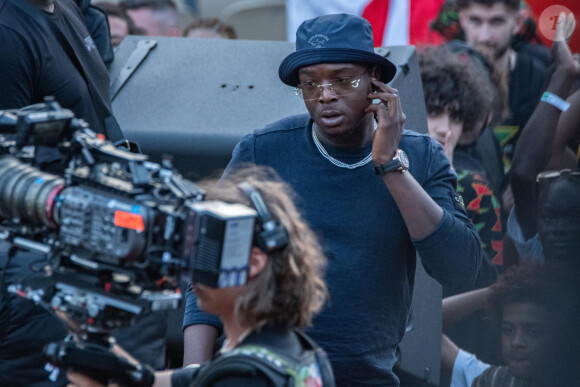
point(27, 193)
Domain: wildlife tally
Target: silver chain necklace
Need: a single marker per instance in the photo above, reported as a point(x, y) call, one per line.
point(334, 161)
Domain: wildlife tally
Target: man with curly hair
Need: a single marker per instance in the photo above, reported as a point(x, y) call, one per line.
point(458, 98)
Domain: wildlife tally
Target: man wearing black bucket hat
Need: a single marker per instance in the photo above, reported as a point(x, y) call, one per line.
point(373, 192)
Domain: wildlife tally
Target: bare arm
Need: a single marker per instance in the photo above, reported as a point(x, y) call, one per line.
point(449, 353)
point(461, 305)
point(568, 132)
point(198, 343)
point(534, 148)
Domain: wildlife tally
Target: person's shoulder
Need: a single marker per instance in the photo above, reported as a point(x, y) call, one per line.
point(71, 11)
point(538, 54)
point(7, 9)
point(19, 28)
point(411, 134)
point(69, 4)
point(287, 124)
point(416, 143)
point(276, 133)
point(12, 18)
point(3, 7)
point(533, 60)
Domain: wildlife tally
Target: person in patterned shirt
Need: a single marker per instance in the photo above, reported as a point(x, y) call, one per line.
point(458, 99)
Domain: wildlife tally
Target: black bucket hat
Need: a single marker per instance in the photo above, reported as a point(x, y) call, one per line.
point(337, 38)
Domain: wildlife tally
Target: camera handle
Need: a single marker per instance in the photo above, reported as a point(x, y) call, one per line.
point(94, 357)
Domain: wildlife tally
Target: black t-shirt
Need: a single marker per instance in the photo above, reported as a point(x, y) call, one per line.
point(34, 64)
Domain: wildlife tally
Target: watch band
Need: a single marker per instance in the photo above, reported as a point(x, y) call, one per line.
point(387, 167)
point(399, 163)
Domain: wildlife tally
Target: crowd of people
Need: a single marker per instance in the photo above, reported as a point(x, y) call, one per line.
point(158, 18)
point(488, 201)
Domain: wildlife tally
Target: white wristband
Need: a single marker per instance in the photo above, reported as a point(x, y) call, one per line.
point(555, 101)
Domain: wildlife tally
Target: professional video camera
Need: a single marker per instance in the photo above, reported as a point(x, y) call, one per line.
point(118, 231)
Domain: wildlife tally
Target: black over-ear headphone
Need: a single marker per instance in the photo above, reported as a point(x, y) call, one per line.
point(271, 236)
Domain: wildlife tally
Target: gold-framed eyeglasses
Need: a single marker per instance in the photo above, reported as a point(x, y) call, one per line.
point(341, 86)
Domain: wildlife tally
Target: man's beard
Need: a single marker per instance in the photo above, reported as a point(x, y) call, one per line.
point(500, 52)
point(493, 52)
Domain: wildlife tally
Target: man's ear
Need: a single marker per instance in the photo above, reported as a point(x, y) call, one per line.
point(376, 72)
point(462, 17)
point(519, 21)
point(258, 260)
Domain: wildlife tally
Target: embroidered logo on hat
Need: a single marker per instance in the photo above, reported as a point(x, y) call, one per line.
point(318, 40)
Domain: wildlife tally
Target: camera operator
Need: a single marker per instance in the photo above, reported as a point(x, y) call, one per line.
point(284, 290)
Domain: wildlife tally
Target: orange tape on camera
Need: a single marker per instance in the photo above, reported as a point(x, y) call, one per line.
point(129, 220)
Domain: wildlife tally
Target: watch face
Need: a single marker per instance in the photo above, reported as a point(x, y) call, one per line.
point(404, 159)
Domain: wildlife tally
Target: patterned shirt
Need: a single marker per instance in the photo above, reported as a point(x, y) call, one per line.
point(483, 209)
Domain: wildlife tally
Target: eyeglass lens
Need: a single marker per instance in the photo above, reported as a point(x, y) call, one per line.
point(339, 86)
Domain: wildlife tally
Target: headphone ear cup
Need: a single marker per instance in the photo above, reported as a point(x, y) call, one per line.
point(270, 240)
point(271, 235)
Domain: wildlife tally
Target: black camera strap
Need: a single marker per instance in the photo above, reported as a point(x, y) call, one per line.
point(112, 129)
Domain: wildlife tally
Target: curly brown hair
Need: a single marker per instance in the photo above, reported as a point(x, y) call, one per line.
point(549, 285)
point(290, 289)
point(452, 83)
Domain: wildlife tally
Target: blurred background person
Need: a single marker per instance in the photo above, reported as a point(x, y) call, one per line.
point(153, 17)
point(211, 28)
point(458, 98)
point(549, 141)
point(96, 22)
point(489, 26)
point(120, 24)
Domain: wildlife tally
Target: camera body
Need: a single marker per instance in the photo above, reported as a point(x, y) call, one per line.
point(118, 229)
